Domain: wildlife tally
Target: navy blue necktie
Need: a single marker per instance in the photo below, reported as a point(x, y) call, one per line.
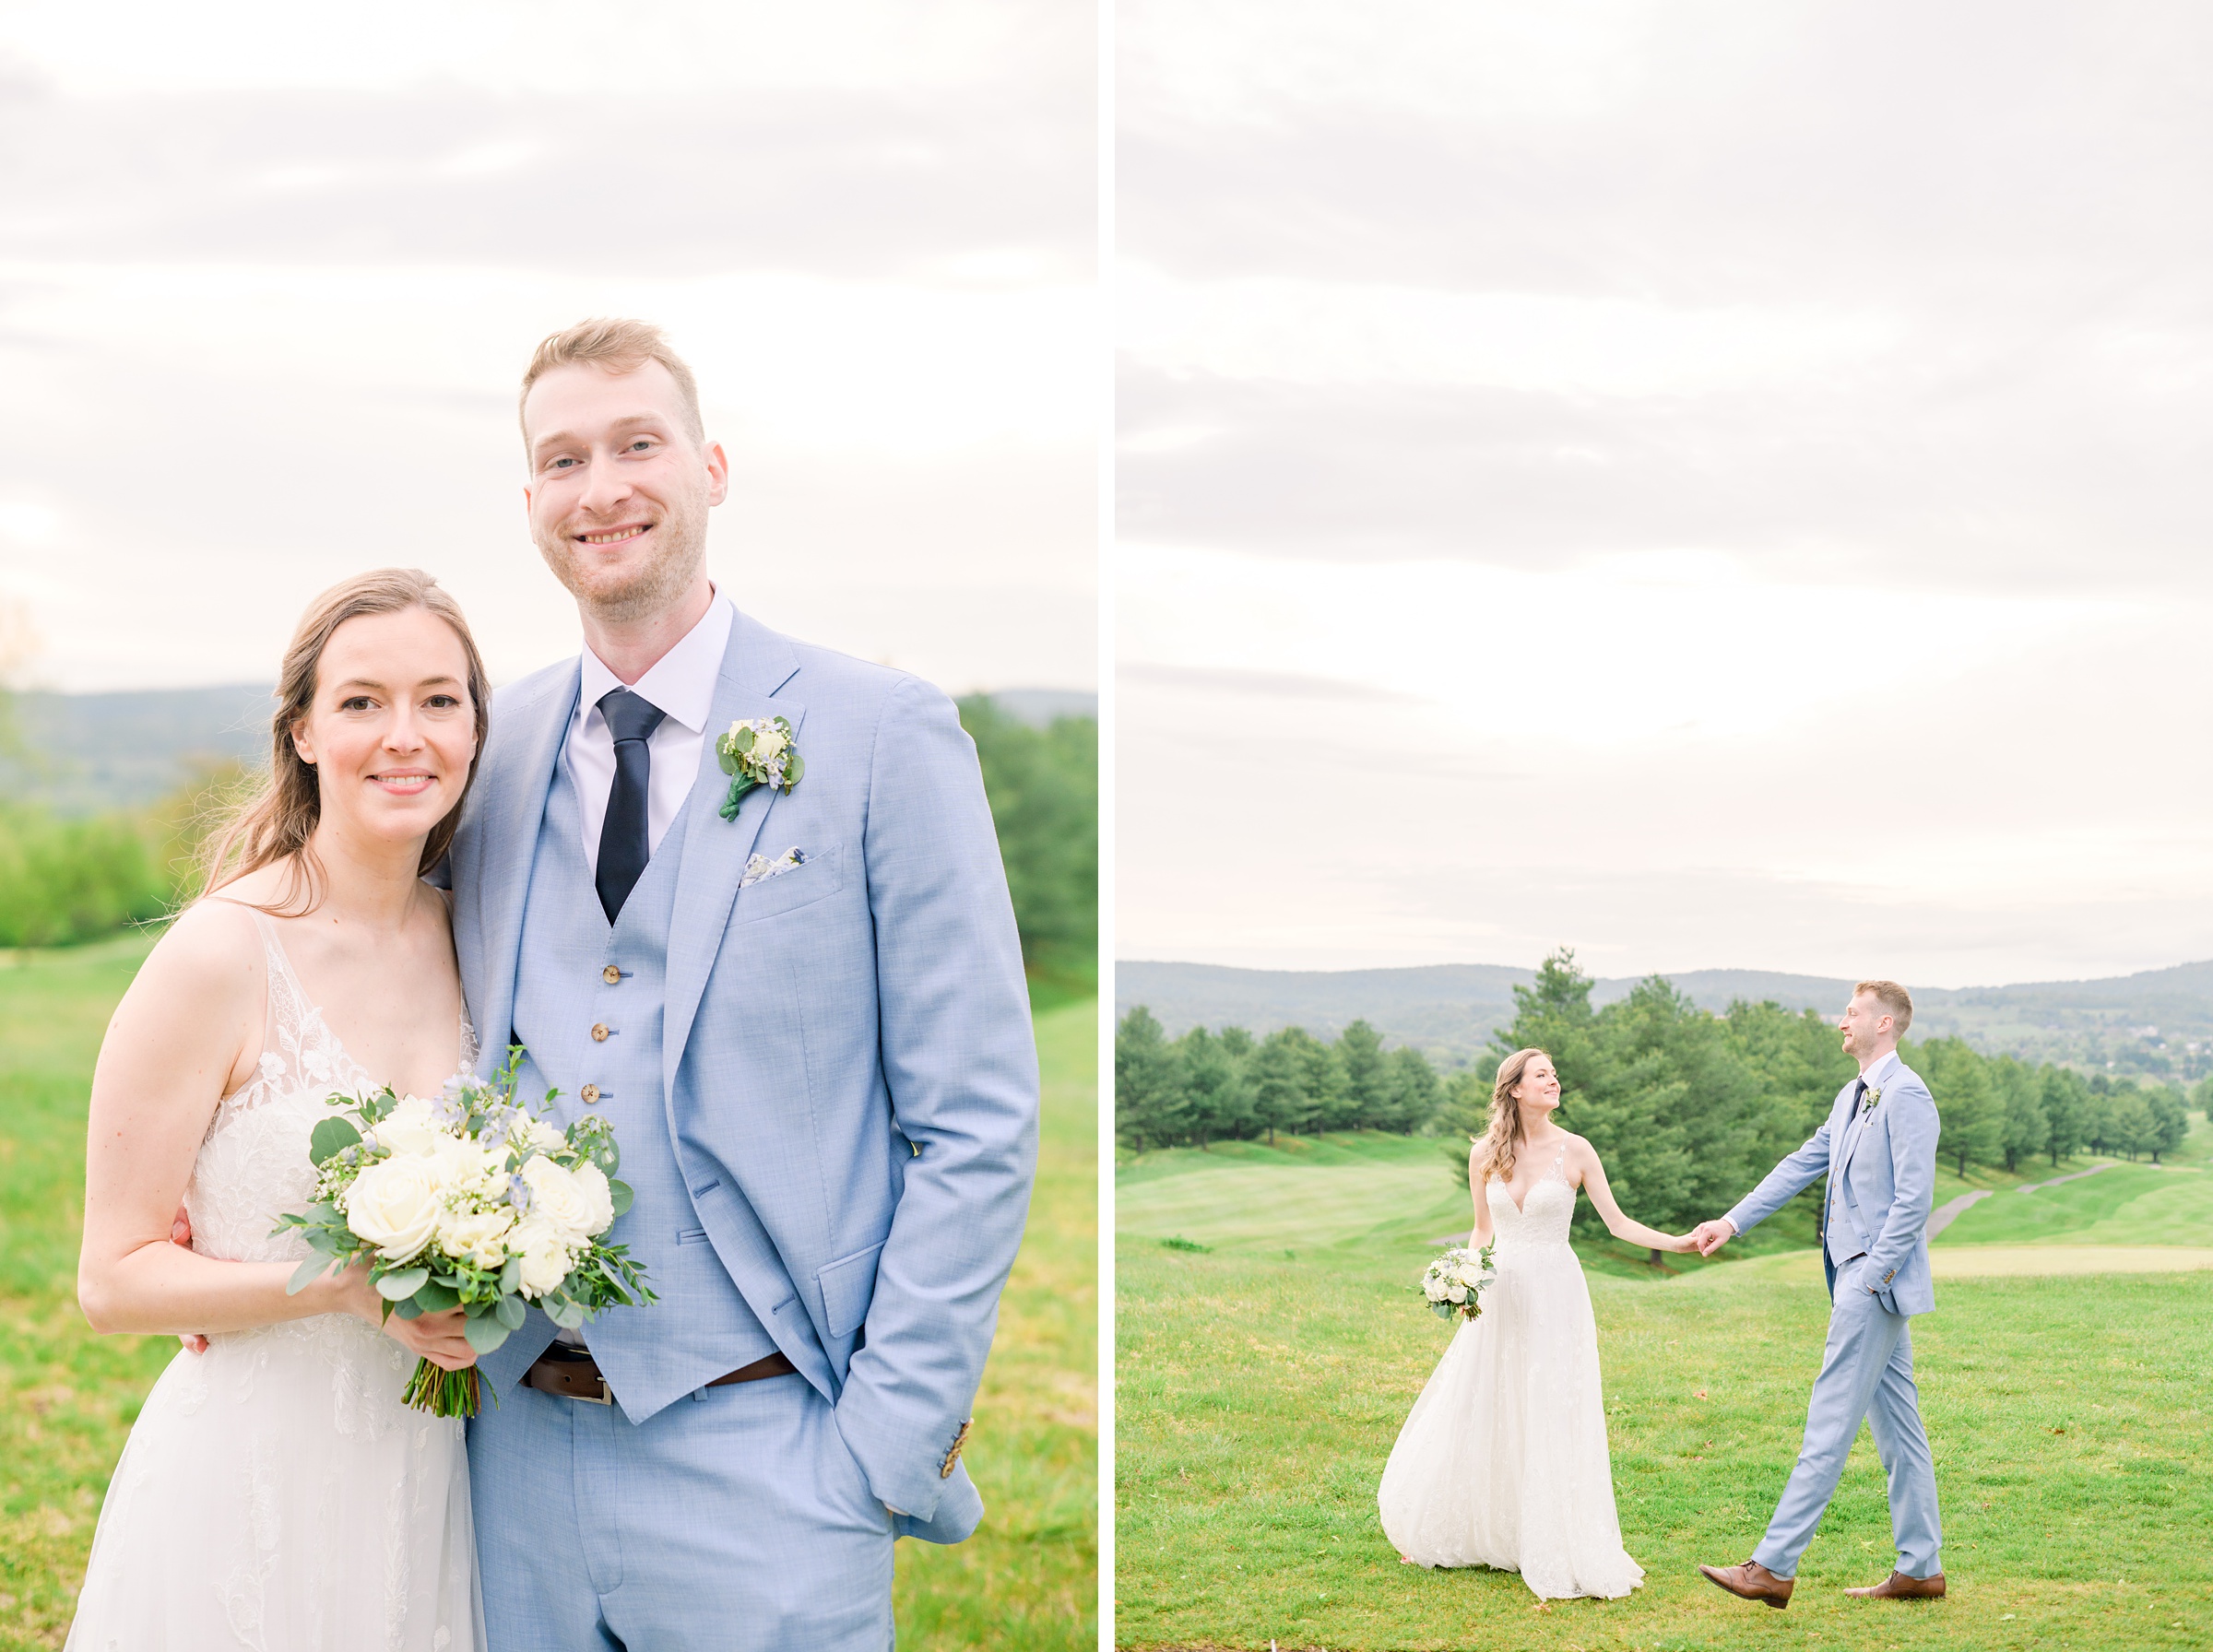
point(623, 848)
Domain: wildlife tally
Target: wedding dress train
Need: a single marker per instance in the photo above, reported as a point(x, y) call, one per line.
point(1502, 1461)
point(274, 1492)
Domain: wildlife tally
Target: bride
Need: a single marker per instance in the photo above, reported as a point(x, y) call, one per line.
point(1502, 1461)
point(274, 1493)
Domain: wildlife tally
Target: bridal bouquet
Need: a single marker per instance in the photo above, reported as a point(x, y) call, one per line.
point(468, 1202)
point(1454, 1281)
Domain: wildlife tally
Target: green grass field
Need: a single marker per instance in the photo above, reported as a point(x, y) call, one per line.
point(1028, 1579)
point(1261, 1385)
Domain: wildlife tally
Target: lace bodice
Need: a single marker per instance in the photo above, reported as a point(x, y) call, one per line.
point(253, 1165)
point(1542, 1217)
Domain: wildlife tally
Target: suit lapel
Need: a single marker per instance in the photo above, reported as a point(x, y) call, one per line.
point(756, 664)
point(514, 804)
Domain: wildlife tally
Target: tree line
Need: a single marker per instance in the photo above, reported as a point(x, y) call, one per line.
point(1687, 1108)
point(66, 879)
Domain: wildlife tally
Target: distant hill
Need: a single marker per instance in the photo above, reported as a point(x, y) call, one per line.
point(2143, 1023)
point(81, 753)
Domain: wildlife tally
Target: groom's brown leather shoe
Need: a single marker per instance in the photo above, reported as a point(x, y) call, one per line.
point(1752, 1581)
point(1898, 1586)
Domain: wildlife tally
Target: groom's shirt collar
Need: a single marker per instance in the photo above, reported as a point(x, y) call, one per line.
point(681, 682)
point(1879, 1072)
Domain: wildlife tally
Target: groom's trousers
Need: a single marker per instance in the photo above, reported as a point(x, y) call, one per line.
point(1866, 1371)
point(734, 1520)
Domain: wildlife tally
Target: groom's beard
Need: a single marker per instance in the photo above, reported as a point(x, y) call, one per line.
point(621, 595)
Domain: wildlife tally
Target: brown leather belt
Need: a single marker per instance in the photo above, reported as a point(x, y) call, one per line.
point(574, 1374)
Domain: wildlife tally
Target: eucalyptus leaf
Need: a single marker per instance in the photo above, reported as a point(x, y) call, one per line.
point(409, 1309)
point(794, 767)
point(435, 1298)
point(399, 1286)
point(511, 1276)
point(565, 1311)
point(484, 1333)
point(619, 1193)
point(330, 1138)
point(509, 1309)
point(306, 1274)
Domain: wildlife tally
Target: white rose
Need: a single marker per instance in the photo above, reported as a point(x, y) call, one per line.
point(479, 1238)
point(1469, 1275)
point(599, 1198)
point(1458, 1293)
point(556, 1197)
point(395, 1205)
point(467, 1167)
point(767, 743)
point(547, 1255)
point(409, 1129)
point(535, 1135)
point(1434, 1288)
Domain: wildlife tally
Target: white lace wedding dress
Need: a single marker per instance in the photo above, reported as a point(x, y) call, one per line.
point(1502, 1461)
point(274, 1493)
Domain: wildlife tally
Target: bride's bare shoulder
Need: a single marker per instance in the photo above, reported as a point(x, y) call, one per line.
point(211, 954)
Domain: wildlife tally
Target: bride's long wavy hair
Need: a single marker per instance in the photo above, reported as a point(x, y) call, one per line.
point(1496, 1148)
point(276, 822)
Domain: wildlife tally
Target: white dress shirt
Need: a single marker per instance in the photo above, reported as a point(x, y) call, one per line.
point(681, 684)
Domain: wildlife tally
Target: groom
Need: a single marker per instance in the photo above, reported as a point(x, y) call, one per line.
point(1879, 1149)
point(805, 1018)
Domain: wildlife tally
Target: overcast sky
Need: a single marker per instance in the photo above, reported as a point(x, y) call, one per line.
point(269, 273)
point(1712, 484)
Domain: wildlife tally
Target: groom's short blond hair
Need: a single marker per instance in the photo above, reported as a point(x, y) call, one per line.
point(618, 346)
point(1892, 996)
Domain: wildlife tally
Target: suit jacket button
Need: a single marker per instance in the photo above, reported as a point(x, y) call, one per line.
point(590, 1095)
point(600, 1031)
point(610, 975)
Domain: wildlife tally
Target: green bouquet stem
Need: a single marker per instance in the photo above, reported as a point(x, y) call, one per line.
point(443, 1393)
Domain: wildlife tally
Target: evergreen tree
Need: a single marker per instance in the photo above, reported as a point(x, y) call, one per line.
point(1413, 1091)
point(2170, 1120)
point(1149, 1105)
point(2131, 1126)
point(2027, 1131)
point(2098, 1115)
point(1213, 1082)
point(1278, 1077)
point(2066, 1112)
point(1970, 1116)
point(1367, 1081)
point(1325, 1084)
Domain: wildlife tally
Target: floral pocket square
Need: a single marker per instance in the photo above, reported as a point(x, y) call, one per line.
point(760, 866)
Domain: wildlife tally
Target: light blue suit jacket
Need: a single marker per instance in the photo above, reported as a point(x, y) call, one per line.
point(848, 1071)
point(1885, 1178)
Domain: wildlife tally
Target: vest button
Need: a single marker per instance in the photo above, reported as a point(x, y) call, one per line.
point(590, 1095)
point(600, 1031)
point(610, 975)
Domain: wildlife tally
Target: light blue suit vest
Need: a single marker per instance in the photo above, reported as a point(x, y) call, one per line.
point(701, 1327)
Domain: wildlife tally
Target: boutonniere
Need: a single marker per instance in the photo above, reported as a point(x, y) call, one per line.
point(1868, 1100)
point(758, 752)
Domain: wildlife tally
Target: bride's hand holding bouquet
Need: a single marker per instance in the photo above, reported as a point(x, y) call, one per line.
point(467, 1205)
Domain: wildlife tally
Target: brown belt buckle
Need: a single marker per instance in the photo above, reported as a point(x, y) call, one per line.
point(605, 1397)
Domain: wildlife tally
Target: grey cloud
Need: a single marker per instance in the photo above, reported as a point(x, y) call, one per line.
point(2033, 477)
point(865, 187)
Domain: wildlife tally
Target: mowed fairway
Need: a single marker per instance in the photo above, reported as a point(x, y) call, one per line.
point(1028, 1579)
point(1259, 1394)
